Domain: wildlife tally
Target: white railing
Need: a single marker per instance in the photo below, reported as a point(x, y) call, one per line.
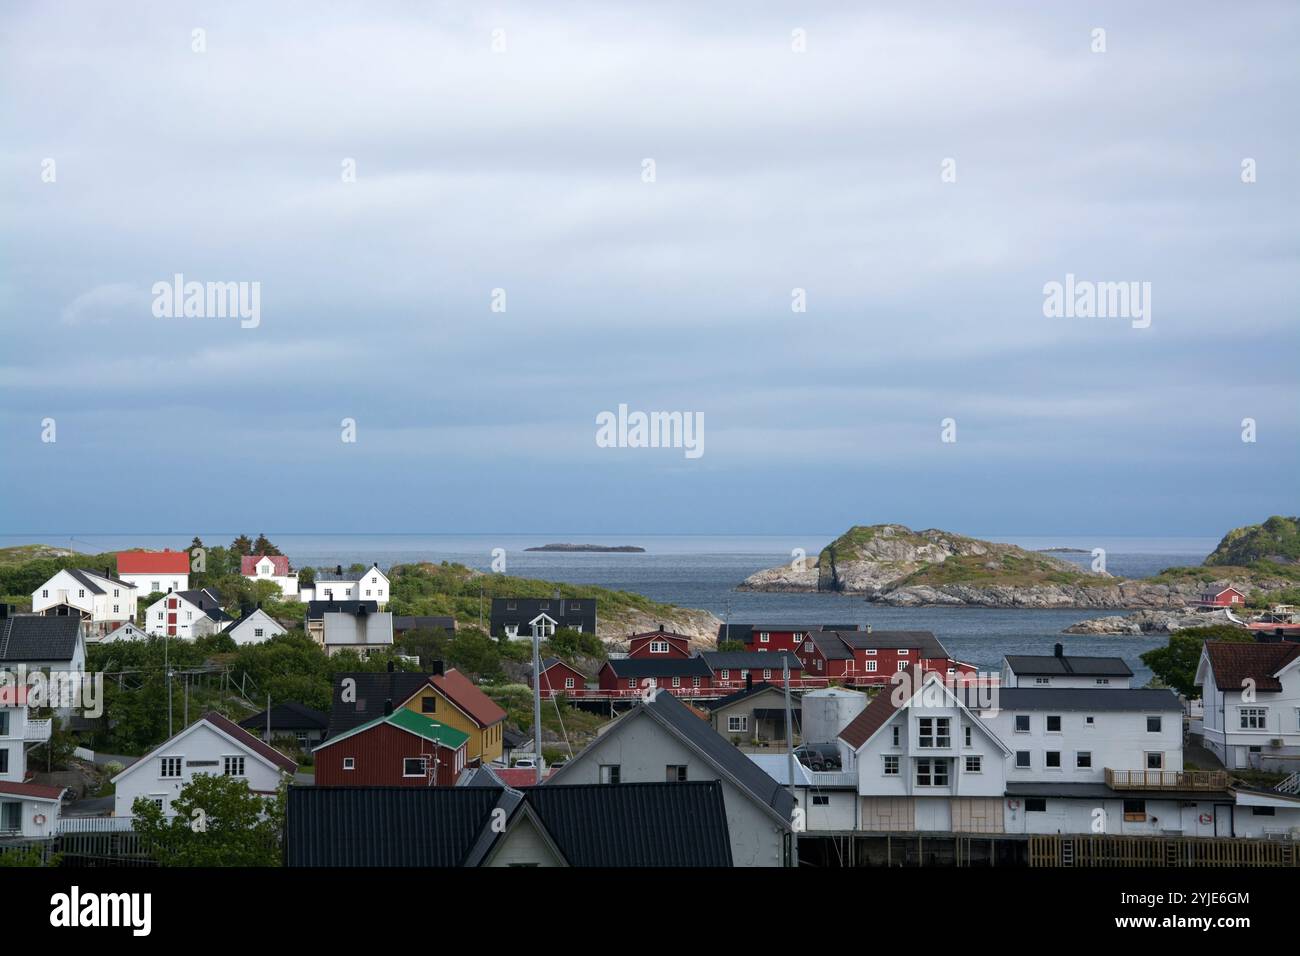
point(94, 825)
point(1290, 785)
point(38, 731)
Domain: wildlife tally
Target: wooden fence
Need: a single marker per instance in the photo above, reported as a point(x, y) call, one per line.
point(1121, 851)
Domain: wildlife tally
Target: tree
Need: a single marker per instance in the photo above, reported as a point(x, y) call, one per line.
point(218, 822)
point(263, 545)
point(1175, 664)
point(241, 545)
point(731, 645)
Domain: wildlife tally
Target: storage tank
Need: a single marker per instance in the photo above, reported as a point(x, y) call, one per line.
point(827, 712)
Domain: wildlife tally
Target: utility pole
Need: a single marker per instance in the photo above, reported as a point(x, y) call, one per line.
point(789, 752)
point(167, 669)
point(268, 717)
point(537, 703)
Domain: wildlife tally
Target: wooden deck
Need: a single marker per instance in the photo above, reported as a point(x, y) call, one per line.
point(1122, 851)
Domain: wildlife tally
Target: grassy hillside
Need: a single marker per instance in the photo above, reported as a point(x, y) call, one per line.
point(1275, 542)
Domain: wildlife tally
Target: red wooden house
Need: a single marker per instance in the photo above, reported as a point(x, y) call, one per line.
point(658, 644)
point(401, 749)
point(628, 676)
point(774, 637)
point(559, 677)
point(1225, 597)
point(735, 668)
point(872, 657)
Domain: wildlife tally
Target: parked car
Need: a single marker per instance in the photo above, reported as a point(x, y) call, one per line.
point(818, 756)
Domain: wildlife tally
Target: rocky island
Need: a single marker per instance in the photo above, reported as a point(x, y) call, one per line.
point(595, 548)
point(893, 565)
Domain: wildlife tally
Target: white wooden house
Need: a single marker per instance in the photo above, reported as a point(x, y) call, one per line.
point(339, 585)
point(1251, 696)
point(255, 627)
point(154, 572)
point(26, 809)
point(98, 599)
point(187, 615)
point(212, 745)
point(274, 568)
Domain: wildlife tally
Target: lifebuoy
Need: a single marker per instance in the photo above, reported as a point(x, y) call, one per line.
point(1013, 804)
point(39, 819)
point(1205, 818)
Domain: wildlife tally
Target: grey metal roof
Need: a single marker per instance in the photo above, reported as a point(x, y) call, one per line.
point(636, 824)
point(35, 637)
point(373, 688)
point(288, 716)
point(87, 578)
point(750, 660)
point(407, 622)
point(636, 667)
point(316, 609)
point(384, 826)
point(1099, 791)
point(925, 641)
point(744, 693)
point(1049, 665)
point(830, 644)
point(1084, 698)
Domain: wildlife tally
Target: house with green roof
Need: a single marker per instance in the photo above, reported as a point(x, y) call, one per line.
point(400, 748)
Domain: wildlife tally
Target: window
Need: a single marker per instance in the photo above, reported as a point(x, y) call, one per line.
point(1022, 760)
point(569, 683)
point(677, 682)
point(767, 673)
point(658, 647)
point(300, 736)
point(510, 606)
point(1155, 761)
point(349, 763)
point(974, 764)
point(902, 652)
point(1083, 760)
point(414, 766)
point(933, 732)
point(1022, 723)
point(171, 767)
point(1254, 718)
point(1103, 681)
point(871, 652)
point(258, 632)
point(932, 773)
point(898, 732)
point(4, 761)
point(4, 725)
point(117, 608)
point(724, 674)
point(764, 637)
point(738, 724)
point(156, 586)
point(695, 682)
point(1042, 680)
point(822, 800)
point(158, 802)
point(902, 666)
point(45, 593)
point(1036, 805)
point(575, 606)
point(968, 733)
point(1090, 721)
point(1054, 723)
point(871, 667)
point(1153, 725)
point(631, 683)
point(1135, 811)
point(234, 766)
point(81, 592)
point(609, 773)
point(891, 765)
point(1052, 760)
point(675, 773)
point(1263, 811)
point(429, 705)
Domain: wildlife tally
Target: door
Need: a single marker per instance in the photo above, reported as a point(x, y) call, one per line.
point(11, 816)
point(1222, 820)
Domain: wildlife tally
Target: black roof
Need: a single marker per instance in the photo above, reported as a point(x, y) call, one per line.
point(86, 578)
point(750, 660)
point(1099, 791)
point(288, 716)
point(636, 824)
point(385, 826)
point(373, 688)
point(743, 632)
point(925, 641)
point(560, 610)
point(637, 667)
point(316, 609)
point(1049, 665)
point(743, 693)
point(514, 739)
point(1085, 698)
point(632, 824)
point(35, 637)
point(831, 646)
point(408, 622)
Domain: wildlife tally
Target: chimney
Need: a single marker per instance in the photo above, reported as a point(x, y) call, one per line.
point(108, 570)
point(435, 668)
point(388, 706)
point(392, 666)
point(1060, 650)
point(749, 680)
point(661, 628)
point(5, 610)
point(868, 628)
point(338, 569)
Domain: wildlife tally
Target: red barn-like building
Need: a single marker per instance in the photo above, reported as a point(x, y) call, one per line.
point(1227, 597)
point(872, 657)
point(401, 749)
point(658, 645)
point(559, 677)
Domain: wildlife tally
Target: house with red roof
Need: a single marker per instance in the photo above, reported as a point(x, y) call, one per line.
point(273, 568)
point(1251, 694)
point(154, 572)
point(213, 744)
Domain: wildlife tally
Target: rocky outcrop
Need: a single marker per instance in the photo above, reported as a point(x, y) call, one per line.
point(1148, 622)
point(1126, 594)
point(700, 626)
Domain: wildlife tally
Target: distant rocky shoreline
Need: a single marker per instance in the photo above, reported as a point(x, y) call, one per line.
point(594, 548)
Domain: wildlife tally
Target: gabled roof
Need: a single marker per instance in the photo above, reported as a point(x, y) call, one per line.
point(877, 713)
point(1049, 665)
point(32, 791)
point(462, 692)
point(287, 716)
point(831, 645)
point(153, 562)
point(344, 577)
point(750, 660)
point(248, 564)
point(684, 724)
point(372, 688)
point(385, 826)
point(94, 581)
point(905, 686)
point(36, 637)
point(421, 725)
point(630, 668)
point(231, 730)
point(660, 635)
point(1234, 664)
point(253, 612)
point(747, 692)
point(517, 778)
point(925, 642)
point(549, 662)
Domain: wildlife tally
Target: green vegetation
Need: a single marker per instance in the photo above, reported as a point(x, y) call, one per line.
point(1174, 665)
point(1004, 568)
point(1276, 542)
point(218, 822)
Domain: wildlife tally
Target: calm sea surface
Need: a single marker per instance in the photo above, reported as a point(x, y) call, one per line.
point(702, 571)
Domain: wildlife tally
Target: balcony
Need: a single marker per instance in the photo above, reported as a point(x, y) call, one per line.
point(38, 731)
point(1166, 779)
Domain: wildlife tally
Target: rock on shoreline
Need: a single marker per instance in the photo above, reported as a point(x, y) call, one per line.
point(1148, 622)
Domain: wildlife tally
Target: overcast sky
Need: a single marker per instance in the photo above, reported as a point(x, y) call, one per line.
point(522, 170)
